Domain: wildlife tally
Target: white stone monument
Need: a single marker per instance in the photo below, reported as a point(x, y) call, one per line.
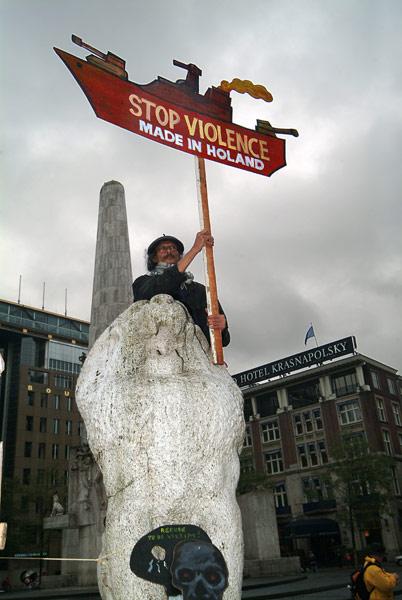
point(166, 427)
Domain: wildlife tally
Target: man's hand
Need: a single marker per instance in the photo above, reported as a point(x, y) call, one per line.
point(203, 238)
point(216, 322)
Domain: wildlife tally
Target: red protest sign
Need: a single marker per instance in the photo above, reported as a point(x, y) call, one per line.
point(175, 114)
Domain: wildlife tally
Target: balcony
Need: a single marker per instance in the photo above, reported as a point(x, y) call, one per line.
point(319, 506)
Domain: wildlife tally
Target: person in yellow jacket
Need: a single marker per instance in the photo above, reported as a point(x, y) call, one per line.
point(378, 582)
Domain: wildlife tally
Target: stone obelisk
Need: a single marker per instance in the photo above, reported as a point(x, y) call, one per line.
point(111, 293)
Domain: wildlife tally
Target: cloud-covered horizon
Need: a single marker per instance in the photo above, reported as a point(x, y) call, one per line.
point(319, 241)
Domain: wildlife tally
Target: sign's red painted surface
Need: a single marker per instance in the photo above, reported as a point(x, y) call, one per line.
point(132, 107)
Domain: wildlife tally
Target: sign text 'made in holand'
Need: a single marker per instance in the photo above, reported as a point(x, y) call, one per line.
point(203, 135)
point(297, 361)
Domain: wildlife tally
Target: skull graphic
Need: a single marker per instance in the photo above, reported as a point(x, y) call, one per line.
point(199, 571)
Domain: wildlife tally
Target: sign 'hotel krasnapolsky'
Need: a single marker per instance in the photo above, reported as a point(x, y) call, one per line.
point(176, 115)
point(297, 361)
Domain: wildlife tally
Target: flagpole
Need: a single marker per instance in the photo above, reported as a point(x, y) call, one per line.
point(315, 337)
point(209, 265)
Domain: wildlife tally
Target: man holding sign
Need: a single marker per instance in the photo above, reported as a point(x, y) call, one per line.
point(167, 274)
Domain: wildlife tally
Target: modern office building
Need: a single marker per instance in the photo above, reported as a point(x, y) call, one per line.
point(43, 353)
point(297, 411)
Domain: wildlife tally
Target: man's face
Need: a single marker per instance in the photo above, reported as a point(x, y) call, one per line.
point(166, 252)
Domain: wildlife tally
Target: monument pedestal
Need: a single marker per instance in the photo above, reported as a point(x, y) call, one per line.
point(261, 542)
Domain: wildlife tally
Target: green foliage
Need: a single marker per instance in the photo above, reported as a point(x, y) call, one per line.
point(252, 481)
point(362, 481)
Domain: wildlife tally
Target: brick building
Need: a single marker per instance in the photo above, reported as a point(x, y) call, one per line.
point(296, 419)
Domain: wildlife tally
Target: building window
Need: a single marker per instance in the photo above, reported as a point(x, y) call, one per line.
point(270, 431)
point(39, 505)
point(375, 380)
point(312, 489)
point(307, 421)
point(304, 393)
point(69, 404)
point(56, 401)
point(246, 464)
point(317, 419)
point(274, 462)
point(66, 476)
point(42, 424)
point(312, 454)
point(396, 409)
point(400, 441)
point(29, 423)
point(280, 496)
point(55, 451)
point(24, 503)
point(37, 377)
point(391, 386)
point(344, 383)
point(395, 481)
point(26, 476)
point(80, 426)
point(43, 400)
point(267, 404)
point(66, 452)
point(63, 381)
point(349, 412)
point(315, 490)
point(301, 450)
point(387, 441)
point(30, 398)
point(28, 449)
point(248, 409)
point(56, 426)
point(41, 450)
point(381, 409)
point(323, 452)
point(248, 440)
point(54, 477)
point(40, 476)
point(69, 427)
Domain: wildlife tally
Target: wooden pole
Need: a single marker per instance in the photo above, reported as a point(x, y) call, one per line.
point(209, 265)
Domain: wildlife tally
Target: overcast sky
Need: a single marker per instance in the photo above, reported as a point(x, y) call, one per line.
point(319, 241)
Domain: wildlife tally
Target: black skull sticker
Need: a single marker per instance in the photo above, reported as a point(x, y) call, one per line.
point(199, 571)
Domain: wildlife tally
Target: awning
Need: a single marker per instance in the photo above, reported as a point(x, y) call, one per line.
point(302, 528)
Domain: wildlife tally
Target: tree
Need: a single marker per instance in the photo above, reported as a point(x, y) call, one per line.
point(362, 482)
point(251, 481)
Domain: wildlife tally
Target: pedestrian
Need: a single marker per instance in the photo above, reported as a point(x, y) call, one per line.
point(374, 581)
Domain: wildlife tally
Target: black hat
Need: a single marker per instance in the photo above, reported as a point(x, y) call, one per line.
point(165, 238)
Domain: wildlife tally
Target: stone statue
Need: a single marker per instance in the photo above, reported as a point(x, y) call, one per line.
point(165, 426)
point(57, 509)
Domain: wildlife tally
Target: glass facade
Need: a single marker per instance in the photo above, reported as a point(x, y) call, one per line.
point(267, 404)
point(344, 384)
point(304, 393)
point(41, 321)
point(64, 357)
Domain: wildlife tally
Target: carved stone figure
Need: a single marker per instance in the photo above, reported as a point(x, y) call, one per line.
point(57, 509)
point(165, 426)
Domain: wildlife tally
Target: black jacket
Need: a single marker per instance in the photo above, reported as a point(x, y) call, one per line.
point(193, 296)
